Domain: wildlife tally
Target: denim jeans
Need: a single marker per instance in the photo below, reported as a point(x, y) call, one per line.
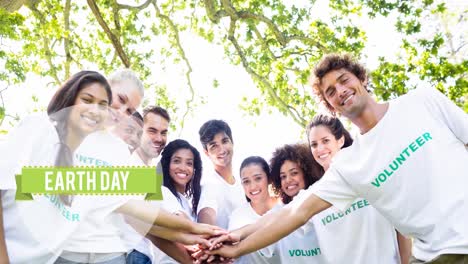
point(136, 257)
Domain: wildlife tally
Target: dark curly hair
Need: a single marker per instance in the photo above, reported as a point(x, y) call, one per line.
point(193, 188)
point(300, 154)
point(330, 63)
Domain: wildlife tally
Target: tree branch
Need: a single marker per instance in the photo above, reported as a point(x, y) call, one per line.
point(211, 11)
point(280, 37)
point(262, 40)
point(178, 44)
point(115, 14)
point(12, 6)
point(113, 38)
point(66, 39)
point(229, 10)
point(129, 7)
point(46, 44)
point(282, 105)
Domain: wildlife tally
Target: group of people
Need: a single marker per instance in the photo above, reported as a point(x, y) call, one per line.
point(393, 194)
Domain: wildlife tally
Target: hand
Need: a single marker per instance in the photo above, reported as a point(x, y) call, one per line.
point(216, 259)
point(192, 248)
point(226, 251)
point(191, 239)
point(203, 257)
point(207, 230)
point(200, 256)
point(227, 238)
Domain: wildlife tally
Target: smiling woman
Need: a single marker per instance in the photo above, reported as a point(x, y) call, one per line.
point(89, 93)
point(182, 171)
point(78, 108)
point(255, 178)
point(292, 169)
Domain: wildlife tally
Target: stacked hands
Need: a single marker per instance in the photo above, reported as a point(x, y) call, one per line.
point(212, 245)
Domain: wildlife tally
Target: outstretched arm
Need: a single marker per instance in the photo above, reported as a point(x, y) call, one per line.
point(280, 225)
point(153, 214)
point(243, 232)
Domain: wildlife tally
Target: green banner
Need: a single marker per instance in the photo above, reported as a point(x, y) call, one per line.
point(89, 180)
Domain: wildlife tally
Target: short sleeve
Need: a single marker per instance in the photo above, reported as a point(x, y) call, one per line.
point(331, 188)
point(170, 202)
point(449, 113)
point(18, 149)
point(208, 197)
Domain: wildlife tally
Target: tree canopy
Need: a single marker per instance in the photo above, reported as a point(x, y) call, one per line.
point(276, 42)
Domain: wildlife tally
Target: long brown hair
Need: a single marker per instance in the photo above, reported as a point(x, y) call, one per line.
point(65, 97)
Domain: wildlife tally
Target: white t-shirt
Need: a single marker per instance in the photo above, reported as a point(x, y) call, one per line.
point(301, 246)
point(359, 233)
point(221, 197)
point(142, 244)
point(34, 230)
point(101, 232)
point(136, 160)
point(242, 216)
point(184, 205)
point(412, 167)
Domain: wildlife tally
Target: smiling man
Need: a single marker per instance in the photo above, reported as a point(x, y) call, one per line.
point(222, 192)
point(154, 137)
point(409, 162)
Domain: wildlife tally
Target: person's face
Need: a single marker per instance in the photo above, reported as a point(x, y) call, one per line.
point(220, 150)
point(125, 99)
point(181, 168)
point(292, 178)
point(154, 136)
point(89, 111)
point(129, 130)
point(324, 145)
point(255, 182)
point(345, 92)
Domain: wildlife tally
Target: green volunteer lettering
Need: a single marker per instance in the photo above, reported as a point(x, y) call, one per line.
point(420, 141)
point(334, 217)
point(304, 253)
point(398, 161)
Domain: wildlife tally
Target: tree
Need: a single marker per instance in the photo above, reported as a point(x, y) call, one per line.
point(276, 42)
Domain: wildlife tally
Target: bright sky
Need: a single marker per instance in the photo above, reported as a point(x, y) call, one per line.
point(252, 135)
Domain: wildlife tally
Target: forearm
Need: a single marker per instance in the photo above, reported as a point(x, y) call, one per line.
point(282, 223)
point(3, 250)
point(247, 230)
point(207, 216)
point(404, 247)
point(164, 233)
point(154, 215)
point(172, 249)
point(171, 221)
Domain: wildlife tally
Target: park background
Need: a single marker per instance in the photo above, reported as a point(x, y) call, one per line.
point(246, 62)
